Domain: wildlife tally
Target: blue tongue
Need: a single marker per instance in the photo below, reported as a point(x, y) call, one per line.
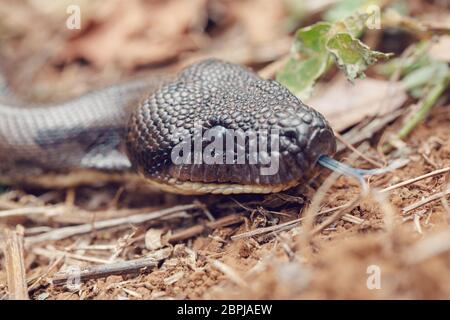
point(356, 173)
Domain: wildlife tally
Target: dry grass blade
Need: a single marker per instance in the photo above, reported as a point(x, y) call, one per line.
point(312, 211)
point(359, 153)
point(357, 135)
point(31, 211)
point(336, 216)
point(410, 181)
point(351, 218)
point(67, 232)
point(280, 227)
point(429, 199)
point(444, 199)
point(259, 231)
point(15, 266)
point(35, 283)
point(196, 230)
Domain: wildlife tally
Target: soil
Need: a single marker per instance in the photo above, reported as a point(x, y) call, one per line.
point(376, 251)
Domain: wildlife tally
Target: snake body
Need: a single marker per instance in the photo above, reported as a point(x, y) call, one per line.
point(134, 128)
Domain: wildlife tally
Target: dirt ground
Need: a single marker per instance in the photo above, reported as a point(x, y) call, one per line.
point(392, 244)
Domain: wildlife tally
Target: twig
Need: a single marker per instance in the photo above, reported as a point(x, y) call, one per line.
point(444, 199)
point(195, 230)
point(359, 153)
point(37, 230)
point(8, 204)
point(410, 181)
point(27, 211)
point(259, 231)
point(67, 232)
point(281, 227)
point(97, 247)
point(60, 212)
point(198, 229)
point(351, 218)
point(116, 268)
point(429, 199)
point(310, 214)
point(357, 135)
point(15, 266)
point(36, 282)
point(312, 211)
point(336, 216)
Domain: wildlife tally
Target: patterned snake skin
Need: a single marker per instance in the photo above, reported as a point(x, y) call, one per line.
point(134, 127)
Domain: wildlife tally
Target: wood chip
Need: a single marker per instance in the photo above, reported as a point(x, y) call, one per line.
point(14, 264)
point(154, 239)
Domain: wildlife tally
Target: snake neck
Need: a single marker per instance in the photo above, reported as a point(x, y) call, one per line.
point(83, 133)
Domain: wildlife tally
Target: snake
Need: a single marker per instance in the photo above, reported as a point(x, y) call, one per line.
point(129, 131)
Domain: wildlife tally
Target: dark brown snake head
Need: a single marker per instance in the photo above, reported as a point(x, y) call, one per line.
point(177, 138)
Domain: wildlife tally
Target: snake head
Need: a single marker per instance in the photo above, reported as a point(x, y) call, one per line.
point(219, 128)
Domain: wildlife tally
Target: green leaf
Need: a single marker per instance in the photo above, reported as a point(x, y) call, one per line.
point(299, 76)
point(351, 55)
point(312, 40)
point(354, 25)
point(317, 45)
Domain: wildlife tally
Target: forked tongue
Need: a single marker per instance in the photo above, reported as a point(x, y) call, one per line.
point(356, 173)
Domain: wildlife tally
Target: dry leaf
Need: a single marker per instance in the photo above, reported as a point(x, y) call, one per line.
point(259, 19)
point(155, 239)
point(345, 104)
point(138, 32)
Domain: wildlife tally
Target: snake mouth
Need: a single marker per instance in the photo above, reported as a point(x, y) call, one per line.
point(229, 179)
point(198, 188)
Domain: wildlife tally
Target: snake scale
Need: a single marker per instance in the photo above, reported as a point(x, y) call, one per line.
point(130, 131)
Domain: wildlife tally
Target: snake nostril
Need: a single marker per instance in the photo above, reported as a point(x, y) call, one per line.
point(290, 134)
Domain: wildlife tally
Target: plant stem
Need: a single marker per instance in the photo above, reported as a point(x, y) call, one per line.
point(425, 105)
